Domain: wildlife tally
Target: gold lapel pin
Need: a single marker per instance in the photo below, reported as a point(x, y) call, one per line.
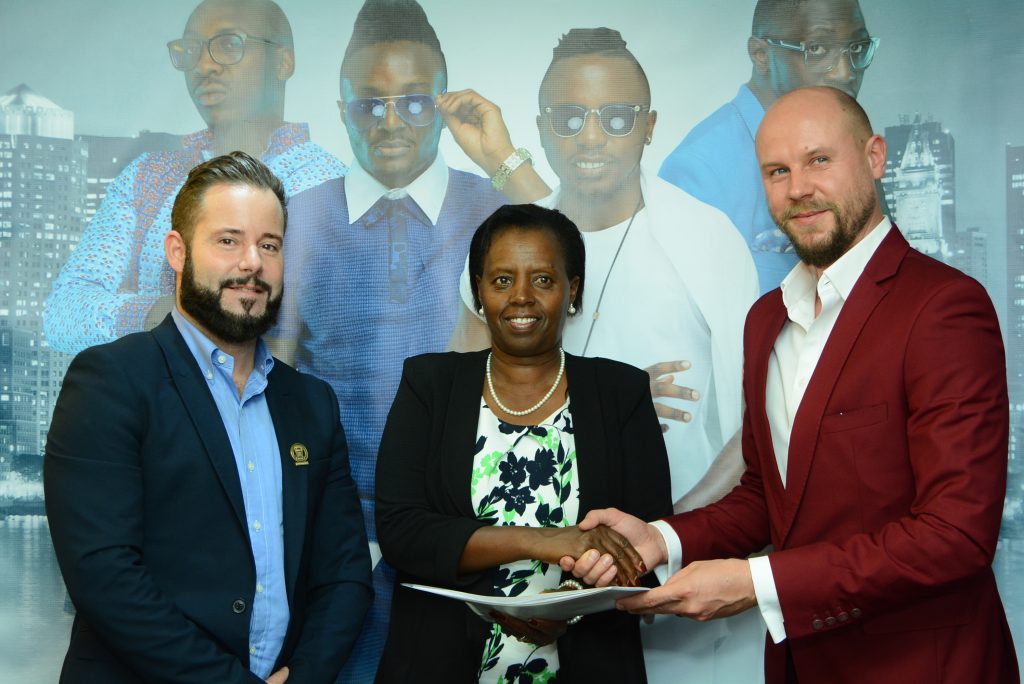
point(300, 454)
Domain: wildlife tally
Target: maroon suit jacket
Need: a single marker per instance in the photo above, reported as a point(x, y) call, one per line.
point(885, 530)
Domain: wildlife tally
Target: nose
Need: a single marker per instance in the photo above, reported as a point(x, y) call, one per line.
point(522, 291)
point(592, 133)
point(799, 187)
point(391, 118)
point(251, 260)
point(842, 73)
point(206, 65)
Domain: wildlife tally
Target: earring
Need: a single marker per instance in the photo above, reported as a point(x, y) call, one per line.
point(480, 311)
point(572, 309)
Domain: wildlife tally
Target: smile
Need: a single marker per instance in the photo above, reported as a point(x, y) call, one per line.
point(590, 165)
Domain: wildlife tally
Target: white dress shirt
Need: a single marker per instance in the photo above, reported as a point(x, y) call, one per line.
point(790, 367)
point(428, 190)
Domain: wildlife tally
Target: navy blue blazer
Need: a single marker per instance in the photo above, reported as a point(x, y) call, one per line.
point(147, 518)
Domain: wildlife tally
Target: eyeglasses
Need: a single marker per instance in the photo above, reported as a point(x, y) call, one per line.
point(225, 49)
point(617, 120)
point(416, 109)
point(822, 57)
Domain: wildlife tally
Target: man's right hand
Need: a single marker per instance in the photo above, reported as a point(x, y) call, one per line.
point(592, 567)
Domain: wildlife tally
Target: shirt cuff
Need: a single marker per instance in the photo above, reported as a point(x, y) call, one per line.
point(675, 551)
point(767, 597)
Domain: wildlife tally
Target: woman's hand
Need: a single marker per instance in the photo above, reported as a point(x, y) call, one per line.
point(558, 542)
point(535, 630)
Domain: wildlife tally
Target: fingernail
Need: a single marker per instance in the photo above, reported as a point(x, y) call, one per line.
point(643, 568)
point(694, 394)
point(685, 365)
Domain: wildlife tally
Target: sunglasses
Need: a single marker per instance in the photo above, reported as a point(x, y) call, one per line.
point(617, 120)
point(416, 109)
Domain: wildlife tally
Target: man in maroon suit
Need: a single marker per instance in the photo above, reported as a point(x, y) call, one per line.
point(875, 438)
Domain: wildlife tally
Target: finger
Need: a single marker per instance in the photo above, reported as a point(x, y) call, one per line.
point(607, 578)
point(666, 367)
point(599, 569)
point(666, 388)
point(567, 563)
point(586, 563)
point(671, 413)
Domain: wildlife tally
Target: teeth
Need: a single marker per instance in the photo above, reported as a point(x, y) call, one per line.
point(522, 321)
point(589, 165)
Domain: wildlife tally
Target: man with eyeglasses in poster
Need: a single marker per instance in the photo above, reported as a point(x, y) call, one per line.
point(374, 258)
point(673, 282)
point(236, 56)
point(793, 43)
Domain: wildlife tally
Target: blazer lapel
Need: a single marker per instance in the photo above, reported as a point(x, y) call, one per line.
point(588, 435)
point(201, 408)
point(758, 358)
point(460, 430)
point(857, 309)
point(288, 421)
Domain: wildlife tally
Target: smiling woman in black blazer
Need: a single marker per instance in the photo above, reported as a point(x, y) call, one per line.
point(488, 459)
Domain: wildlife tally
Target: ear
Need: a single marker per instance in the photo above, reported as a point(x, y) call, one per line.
point(574, 285)
point(757, 49)
point(875, 148)
point(341, 111)
point(175, 249)
point(652, 119)
point(287, 66)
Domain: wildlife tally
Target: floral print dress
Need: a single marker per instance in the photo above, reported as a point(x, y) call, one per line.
point(523, 475)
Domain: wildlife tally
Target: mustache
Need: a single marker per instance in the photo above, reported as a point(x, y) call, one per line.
point(251, 280)
point(803, 207)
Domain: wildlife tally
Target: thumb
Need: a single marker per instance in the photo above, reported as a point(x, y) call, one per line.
point(600, 516)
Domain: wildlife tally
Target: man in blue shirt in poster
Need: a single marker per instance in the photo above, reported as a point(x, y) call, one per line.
point(792, 44)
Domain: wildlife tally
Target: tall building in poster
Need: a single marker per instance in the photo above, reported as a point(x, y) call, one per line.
point(42, 200)
point(919, 184)
point(1014, 321)
point(108, 156)
point(968, 251)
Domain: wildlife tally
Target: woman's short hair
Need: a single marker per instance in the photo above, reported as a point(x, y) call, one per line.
point(529, 217)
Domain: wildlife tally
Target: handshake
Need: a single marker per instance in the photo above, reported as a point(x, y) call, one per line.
point(618, 548)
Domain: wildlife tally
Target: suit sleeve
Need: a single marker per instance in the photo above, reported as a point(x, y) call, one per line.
point(415, 537)
point(93, 484)
point(339, 589)
point(957, 430)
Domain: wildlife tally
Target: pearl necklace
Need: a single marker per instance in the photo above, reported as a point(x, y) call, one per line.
point(506, 409)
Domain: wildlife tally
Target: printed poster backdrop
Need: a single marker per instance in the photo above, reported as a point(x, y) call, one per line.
point(86, 87)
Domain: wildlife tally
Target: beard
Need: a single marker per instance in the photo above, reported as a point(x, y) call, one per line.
point(204, 305)
point(850, 222)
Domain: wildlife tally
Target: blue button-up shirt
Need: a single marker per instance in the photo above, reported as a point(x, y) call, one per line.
point(254, 443)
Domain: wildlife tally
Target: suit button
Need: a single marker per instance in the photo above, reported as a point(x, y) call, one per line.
point(830, 621)
point(855, 613)
point(843, 616)
point(816, 625)
point(238, 606)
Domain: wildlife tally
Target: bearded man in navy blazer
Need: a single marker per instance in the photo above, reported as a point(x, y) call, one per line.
point(875, 439)
point(198, 490)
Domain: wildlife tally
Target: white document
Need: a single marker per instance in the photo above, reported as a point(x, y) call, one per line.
point(555, 605)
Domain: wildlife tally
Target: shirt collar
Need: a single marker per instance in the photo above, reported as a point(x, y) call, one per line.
point(209, 356)
point(427, 190)
point(750, 108)
point(288, 135)
point(801, 285)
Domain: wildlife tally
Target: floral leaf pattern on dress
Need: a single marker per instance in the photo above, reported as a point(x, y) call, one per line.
point(523, 475)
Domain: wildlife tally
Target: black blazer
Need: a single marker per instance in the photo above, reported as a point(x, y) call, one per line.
point(425, 516)
point(146, 514)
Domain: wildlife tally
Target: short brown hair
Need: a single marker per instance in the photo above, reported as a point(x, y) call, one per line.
point(235, 168)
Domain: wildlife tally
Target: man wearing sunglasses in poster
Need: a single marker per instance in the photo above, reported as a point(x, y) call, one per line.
point(674, 281)
point(373, 259)
point(236, 56)
point(793, 43)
